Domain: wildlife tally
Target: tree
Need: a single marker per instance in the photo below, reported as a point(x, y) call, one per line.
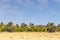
point(2, 27)
point(51, 27)
point(58, 28)
point(9, 27)
point(23, 25)
point(17, 25)
point(30, 29)
point(16, 28)
point(31, 25)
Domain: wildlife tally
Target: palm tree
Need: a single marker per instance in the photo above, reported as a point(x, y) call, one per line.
point(50, 27)
point(31, 25)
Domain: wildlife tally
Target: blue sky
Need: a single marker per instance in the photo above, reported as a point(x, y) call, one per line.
point(26, 11)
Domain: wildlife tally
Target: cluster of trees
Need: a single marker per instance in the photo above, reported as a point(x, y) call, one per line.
point(10, 27)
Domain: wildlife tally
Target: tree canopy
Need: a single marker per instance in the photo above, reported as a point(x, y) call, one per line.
point(10, 27)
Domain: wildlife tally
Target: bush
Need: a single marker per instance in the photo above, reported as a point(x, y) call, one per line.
point(2, 29)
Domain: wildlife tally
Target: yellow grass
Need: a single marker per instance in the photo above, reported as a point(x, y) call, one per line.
point(29, 36)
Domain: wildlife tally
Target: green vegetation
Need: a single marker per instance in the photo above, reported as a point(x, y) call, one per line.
point(10, 27)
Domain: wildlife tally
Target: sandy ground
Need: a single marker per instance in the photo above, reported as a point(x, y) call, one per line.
point(29, 36)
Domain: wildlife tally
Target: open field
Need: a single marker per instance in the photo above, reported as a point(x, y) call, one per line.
point(29, 36)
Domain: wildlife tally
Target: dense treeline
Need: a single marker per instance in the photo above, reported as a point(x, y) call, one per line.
point(50, 27)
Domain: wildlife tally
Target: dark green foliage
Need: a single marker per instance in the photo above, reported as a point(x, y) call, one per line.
point(30, 29)
point(23, 25)
point(58, 29)
point(51, 27)
point(10, 27)
point(2, 29)
point(16, 29)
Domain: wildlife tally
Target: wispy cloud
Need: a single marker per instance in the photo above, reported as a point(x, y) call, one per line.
point(5, 0)
point(25, 2)
point(58, 1)
point(6, 8)
point(33, 3)
point(18, 1)
point(42, 3)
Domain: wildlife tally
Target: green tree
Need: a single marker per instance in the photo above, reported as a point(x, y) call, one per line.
point(9, 27)
point(51, 27)
point(23, 25)
point(2, 26)
point(31, 25)
point(58, 28)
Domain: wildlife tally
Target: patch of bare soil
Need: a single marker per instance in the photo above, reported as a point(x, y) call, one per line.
point(29, 36)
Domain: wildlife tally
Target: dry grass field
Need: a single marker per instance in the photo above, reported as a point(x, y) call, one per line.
point(29, 36)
